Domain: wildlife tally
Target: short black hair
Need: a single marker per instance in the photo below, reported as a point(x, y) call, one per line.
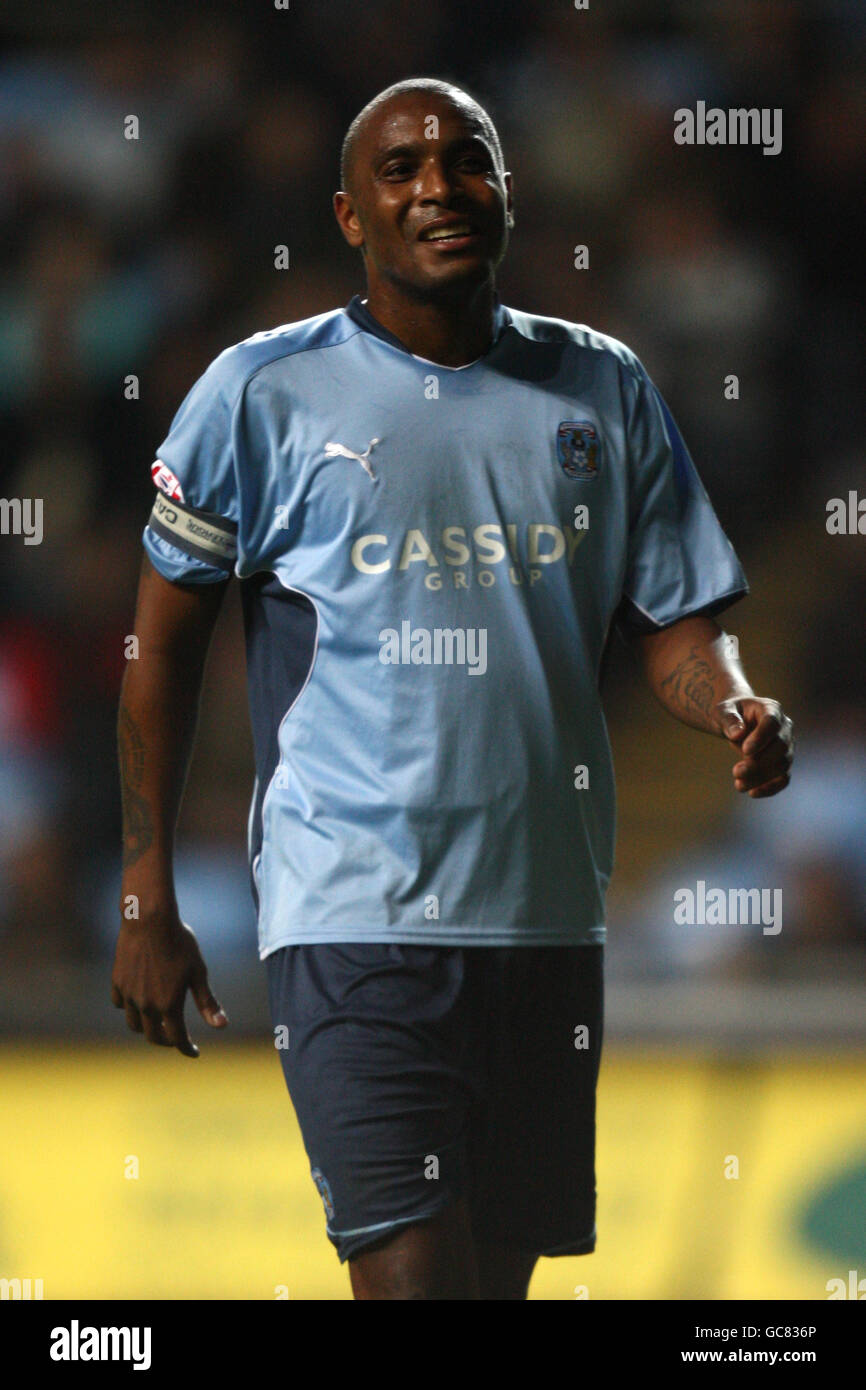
point(458, 95)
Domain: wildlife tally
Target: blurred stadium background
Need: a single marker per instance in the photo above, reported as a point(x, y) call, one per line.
point(148, 257)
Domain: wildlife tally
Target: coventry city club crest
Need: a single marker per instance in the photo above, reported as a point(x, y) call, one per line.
point(324, 1191)
point(577, 448)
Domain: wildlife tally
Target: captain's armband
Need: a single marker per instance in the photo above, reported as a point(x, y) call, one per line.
point(203, 535)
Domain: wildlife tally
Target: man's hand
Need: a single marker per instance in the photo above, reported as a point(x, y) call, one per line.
point(154, 966)
point(760, 730)
point(693, 670)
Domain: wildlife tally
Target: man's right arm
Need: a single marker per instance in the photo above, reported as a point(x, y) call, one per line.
point(157, 957)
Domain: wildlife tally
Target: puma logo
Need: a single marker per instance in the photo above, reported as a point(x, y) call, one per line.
point(333, 451)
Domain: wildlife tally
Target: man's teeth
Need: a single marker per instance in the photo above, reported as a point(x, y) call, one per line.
point(443, 233)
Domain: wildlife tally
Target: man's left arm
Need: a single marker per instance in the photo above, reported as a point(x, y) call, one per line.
point(692, 672)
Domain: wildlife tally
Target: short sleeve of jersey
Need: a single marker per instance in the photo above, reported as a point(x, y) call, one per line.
point(680, 562)
point(196, 542)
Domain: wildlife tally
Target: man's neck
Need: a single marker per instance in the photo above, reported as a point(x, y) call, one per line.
point(450, 332)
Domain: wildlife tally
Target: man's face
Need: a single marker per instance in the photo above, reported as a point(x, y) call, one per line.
point(428, 206)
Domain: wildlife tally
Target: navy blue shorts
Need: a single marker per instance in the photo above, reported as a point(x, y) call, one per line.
point(421, 1074)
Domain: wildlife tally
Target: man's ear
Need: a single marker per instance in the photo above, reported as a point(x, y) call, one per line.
point(509, 191)
point(347, 218)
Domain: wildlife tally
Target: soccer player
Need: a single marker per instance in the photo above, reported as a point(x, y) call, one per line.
point(437, 507)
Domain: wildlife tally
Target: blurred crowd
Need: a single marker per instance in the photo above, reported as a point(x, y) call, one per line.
point(128, 264)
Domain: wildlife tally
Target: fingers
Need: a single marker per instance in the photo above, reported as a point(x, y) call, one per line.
point(733, 725)
point(162, 1028)
point(768, 754)
point(152, 1022)
point(748, 776)
point(734, 732)
point(756, 777)
point(176, 1032)
point(755, 772)
point(207, 1005)
point(133, 1017)
point(768, 728)
point(757, 781)
point(770, 788)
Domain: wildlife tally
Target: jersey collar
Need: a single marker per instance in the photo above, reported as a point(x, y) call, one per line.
point(357, 311)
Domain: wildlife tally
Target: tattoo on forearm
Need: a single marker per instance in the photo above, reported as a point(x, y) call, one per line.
point(137, 821)
point(690, 686)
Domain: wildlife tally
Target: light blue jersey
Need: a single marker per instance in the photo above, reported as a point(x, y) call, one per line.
point(431, 559)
